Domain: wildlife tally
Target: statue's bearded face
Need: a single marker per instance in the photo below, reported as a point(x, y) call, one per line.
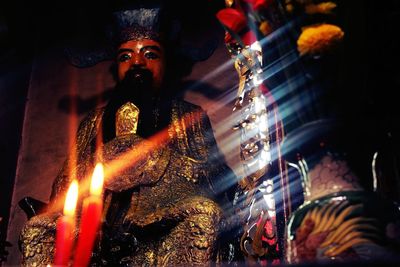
point(142, 59)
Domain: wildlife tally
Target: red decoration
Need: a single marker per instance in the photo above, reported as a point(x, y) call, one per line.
point(236, 22)
point(258, 4)
point(232, 19)
point(249, 38)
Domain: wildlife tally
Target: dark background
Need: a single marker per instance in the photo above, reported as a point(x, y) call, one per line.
point(368, 71)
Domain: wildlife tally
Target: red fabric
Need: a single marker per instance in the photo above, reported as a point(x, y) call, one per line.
point(236, 21)
point(248, 38)
point(232, 19)
point(258, 4)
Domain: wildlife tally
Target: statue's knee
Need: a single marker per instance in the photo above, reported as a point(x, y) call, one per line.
point(204, 223)
point(37, 239)
point(193, 240)
point(207, 208)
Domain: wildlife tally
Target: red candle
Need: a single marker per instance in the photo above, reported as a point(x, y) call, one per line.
point(66, 226)
point(90, 220)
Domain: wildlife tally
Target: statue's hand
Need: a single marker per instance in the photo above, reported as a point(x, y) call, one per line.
point(134, 161)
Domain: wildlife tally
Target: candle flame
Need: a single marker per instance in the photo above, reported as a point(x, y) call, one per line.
point(71, 199)
point(96, 185)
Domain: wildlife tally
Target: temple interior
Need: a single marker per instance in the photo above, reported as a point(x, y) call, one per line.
point(43, 97)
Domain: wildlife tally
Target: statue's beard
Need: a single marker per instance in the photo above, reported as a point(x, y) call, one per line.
point(137, 87)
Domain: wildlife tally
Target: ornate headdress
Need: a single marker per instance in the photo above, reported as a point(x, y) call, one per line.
point(149, 20)
point(139, 20)
point(142, 23)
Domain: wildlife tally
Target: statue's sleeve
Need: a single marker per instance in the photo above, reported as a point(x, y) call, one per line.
point(222, 179)
point(87, 131)
point(195, 139)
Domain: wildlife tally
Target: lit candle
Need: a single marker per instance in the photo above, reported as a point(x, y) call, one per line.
point(66, 226)
point(90, 219)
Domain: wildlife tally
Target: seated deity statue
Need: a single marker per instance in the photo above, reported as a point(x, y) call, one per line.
point(164, 206)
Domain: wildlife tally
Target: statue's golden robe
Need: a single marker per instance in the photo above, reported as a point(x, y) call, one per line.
point(160, 211)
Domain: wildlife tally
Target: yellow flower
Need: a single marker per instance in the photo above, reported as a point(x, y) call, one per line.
point(321, 8)
point(320, 38)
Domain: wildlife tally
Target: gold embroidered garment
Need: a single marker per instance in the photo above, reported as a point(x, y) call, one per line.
point(161, 209)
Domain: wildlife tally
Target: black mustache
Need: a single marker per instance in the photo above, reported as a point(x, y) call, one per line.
point(136, 86)
point(138, 76)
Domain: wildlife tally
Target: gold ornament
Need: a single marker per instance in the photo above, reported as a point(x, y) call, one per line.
point(126, 119)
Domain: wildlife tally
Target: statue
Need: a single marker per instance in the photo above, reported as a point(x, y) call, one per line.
point(163, 208)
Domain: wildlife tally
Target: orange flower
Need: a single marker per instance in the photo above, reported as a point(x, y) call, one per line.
point(321, 8)
point(320, 38)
